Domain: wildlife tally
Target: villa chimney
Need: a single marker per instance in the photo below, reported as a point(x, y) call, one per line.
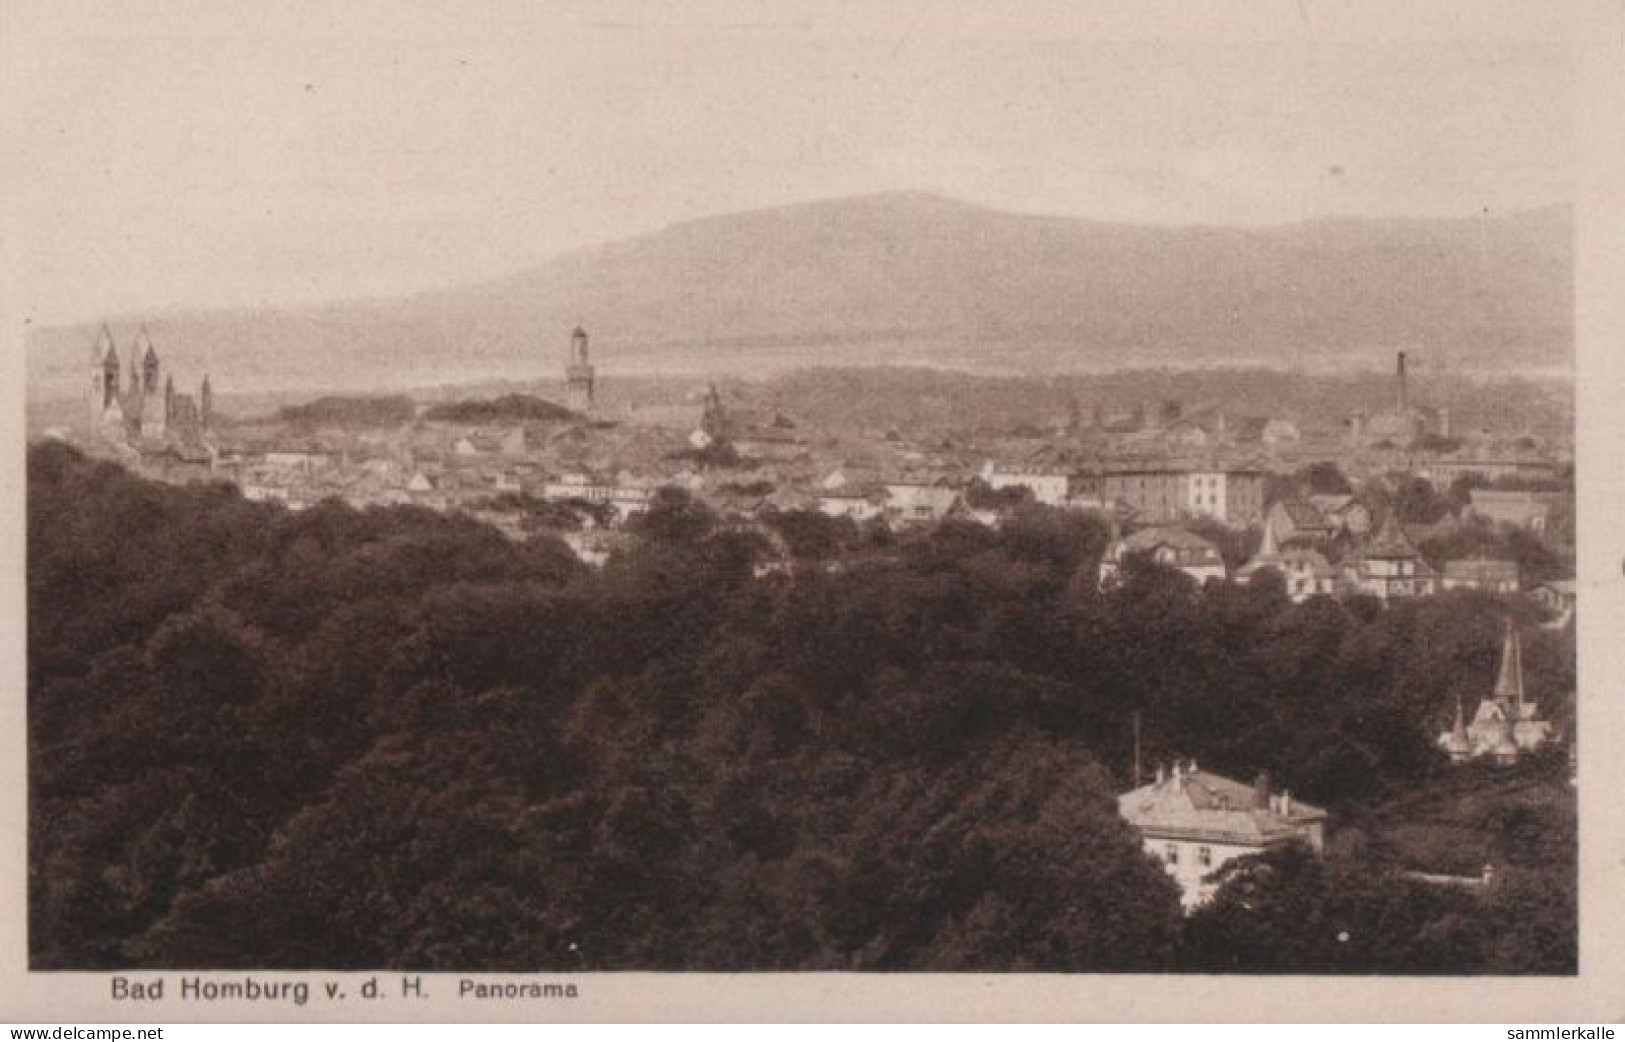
point(1401, 400)
point(1261, 791)
point(1286, 803)
point(1162, 774)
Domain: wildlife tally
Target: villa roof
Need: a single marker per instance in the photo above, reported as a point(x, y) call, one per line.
point(1164, 535)
point(1292, 556)
point(1195, 804)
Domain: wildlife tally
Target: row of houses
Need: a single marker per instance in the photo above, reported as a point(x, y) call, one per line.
point(1148, 491)
point(1386, 566)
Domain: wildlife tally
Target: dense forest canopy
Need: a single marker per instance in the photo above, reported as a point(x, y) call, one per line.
point(393, 738)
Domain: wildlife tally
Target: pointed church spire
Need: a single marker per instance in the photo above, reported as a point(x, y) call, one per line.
point(1267, 547)
point(104, 346)
point(1509, 682)
point(1391, 540)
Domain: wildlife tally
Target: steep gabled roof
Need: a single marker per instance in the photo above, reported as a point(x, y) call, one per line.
point(1390, 542)
point(1304, 514)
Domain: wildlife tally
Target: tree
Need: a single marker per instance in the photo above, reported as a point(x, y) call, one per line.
point(673, 516)
point(1325, 478)
point(810, 534)
point(1417, 502)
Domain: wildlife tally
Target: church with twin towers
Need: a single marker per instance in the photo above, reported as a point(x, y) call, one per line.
point(137, 405)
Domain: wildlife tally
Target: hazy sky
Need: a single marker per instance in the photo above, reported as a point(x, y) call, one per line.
point(185, 154)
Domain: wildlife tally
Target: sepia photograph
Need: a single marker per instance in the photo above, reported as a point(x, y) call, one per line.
point(517, 491)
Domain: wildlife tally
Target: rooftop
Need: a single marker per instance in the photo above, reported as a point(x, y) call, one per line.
point(1164, 535)
point(1193, 804)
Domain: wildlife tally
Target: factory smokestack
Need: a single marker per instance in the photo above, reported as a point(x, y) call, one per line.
point(1401, 399)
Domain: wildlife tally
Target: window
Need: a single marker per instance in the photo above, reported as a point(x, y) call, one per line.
point(1171, 854)
point(1204, 856)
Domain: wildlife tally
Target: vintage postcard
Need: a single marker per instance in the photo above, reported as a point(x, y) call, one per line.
point(633, 510)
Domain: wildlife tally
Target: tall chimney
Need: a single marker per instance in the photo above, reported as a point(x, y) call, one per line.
point(1401, 401)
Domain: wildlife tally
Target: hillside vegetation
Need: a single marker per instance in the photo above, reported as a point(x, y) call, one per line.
point(392, 738)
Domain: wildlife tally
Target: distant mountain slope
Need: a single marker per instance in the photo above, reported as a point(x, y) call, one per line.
point(909, 277)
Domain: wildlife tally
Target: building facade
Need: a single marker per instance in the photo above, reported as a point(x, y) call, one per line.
point(1194, 822)
point(1481, 574)
point(1052, 488)
point(1159, 493)
point(1389, 566)
point(1305, 572)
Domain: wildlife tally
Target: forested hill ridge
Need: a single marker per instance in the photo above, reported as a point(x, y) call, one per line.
point(913, 278)
point(393, 738)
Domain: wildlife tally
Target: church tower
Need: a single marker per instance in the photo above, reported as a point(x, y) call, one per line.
point(579, 374)
point(154, 411)
point(714, 418)
point(104, 382)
